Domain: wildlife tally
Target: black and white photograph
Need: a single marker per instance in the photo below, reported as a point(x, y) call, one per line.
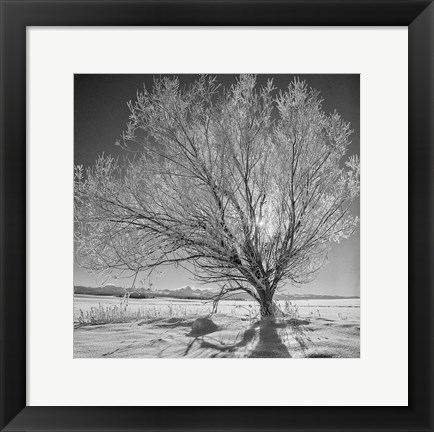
point(216, 215)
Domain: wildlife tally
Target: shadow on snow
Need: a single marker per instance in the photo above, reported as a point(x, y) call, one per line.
point(263, 336)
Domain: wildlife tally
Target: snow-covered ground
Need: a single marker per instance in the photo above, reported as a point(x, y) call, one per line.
point(313, 328)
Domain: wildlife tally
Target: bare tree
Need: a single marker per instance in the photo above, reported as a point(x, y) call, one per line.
point(245, 187)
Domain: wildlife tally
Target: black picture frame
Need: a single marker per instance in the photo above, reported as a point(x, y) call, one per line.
point(17, 15)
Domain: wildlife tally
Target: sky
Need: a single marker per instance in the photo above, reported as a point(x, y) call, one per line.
point(100, 115)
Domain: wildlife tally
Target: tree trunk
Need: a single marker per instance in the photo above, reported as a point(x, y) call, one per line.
point(267, 308)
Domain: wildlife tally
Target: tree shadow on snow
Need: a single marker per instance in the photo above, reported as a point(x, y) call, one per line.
point(265, 333)
point(269, 344)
